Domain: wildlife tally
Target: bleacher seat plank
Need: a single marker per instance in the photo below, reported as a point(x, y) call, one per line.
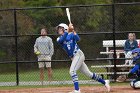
point(107, 66)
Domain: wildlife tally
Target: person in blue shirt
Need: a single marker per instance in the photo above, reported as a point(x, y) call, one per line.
point(130, 44)
point(68, 40)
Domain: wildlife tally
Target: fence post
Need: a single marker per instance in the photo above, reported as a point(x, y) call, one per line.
point(16, 47)
point(114, 37)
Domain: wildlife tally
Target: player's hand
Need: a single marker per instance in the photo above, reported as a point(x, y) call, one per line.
point(71, 28)
point(37, 53)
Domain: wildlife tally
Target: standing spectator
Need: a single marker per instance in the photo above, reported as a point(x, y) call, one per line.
point(44, 50)
point(130, 44)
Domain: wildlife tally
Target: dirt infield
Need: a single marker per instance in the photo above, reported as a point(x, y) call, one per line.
point(84, 89)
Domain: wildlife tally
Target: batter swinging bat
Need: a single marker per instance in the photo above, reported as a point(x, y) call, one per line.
point(68, 14)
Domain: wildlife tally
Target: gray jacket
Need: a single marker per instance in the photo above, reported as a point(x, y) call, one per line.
point(44, 45)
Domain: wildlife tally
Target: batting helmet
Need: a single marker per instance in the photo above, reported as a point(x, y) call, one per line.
point(136, 50)
point(63, 25)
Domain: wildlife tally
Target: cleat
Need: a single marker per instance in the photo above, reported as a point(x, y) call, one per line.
point(75, 91)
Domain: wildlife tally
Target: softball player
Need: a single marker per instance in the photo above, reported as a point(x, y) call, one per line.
point(136, 69)
point(68, 40)
point(44, 50)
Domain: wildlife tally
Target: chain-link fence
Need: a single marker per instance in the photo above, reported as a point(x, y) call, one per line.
point(96, 24)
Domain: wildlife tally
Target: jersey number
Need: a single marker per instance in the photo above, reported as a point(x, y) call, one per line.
point(68, 46)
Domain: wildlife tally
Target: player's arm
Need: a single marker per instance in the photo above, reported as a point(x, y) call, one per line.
point(62, 38)
point(71, 29)
point(51, 46)
point(76, 36)
point(126, 46)
point(36, 51)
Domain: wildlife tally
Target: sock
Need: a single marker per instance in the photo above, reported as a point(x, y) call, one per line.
point(76, 86)
point(75, 81)
point(98, 78)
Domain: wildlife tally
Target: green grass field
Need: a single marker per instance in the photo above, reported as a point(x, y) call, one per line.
point(51, 86)
point(58, 75)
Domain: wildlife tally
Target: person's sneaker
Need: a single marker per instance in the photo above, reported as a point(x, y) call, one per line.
point(75, 91)
point(107, 85)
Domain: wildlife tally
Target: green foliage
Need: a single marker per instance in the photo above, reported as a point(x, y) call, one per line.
point(84, 2)
point(44, 17)
point(11, 3)
point(40, 3)
point(94, 15)
point(128, 18)
point(2, 53)
point(52, 17)
point(85, 19)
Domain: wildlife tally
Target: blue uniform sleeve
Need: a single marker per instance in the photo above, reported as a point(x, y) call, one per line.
point(62, 38)
point(76, 37)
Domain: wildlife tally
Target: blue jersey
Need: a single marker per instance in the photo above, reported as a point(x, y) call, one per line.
point(69, 43)
point(129, 47)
